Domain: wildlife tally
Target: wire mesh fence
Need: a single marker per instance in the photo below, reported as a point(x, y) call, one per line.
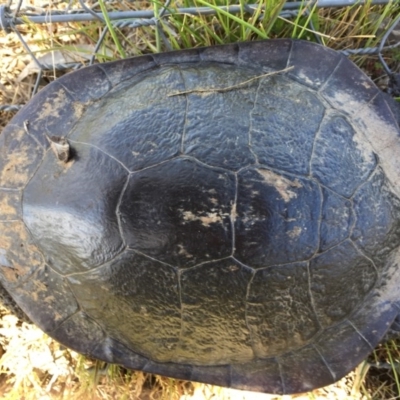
point(127, 16)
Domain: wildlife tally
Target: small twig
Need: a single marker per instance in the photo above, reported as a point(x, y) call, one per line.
point(227, 89)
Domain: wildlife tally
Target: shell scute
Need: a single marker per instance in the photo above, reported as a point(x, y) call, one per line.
point(88, 84)
point(71, 209)
point(281, 317)
point(283, 127)
point(20, 156)
point(152, 319)
point(10, 205)
point(340, 279)
point(269, 55)
point(313, 74)
point(377, 210)
point(338, 147)
point(200, 213)
point(124, 70)
point(47, 290)
point(303, 379)
point(19, 255)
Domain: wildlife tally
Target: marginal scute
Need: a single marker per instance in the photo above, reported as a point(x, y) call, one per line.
point(214, 329)
point(20, 156)
point(181, 371)
point(52, 112)
point(278, 119)
point(19, 256)
point(124, 70)
point(279, 309)
point(214, 54)
point(339, 148)
point(71, 209)
point(340, 279)
point(301, 375)
point(89, 84)
point(216, 375)
point(381, 307)
point(347, 89)
point(79, 333)
point(374, 318)
point(176, 57)
point(271, 54)
point(315, 73)
point(112, 351)
point(48, 291)
point(143, 291)
point(259, 375)
point(10, 205)
point(336, 342)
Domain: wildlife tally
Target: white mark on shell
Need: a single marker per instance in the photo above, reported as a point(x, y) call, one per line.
point(206, 220)
point(281, 184)
point(295, 232)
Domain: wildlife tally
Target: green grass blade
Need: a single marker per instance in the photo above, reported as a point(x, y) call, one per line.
point(111, 29)
point(234, 18)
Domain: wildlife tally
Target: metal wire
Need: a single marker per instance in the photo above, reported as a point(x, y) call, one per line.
point(87, 14)
point(12, 15)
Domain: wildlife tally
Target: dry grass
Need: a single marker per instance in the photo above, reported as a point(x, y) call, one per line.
point(35, 367)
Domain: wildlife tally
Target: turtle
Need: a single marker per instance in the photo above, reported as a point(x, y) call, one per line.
point(227, 214)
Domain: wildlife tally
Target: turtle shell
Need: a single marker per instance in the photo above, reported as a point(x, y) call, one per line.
point(228, 215)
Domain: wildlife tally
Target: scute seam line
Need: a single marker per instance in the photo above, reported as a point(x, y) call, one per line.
point(120, 250)
point(362, 253)
point(251, 122)
point(323, 86)
point(26, 129)
point(281, 375)
point(291, 45)
point(45, 151)
point(118, 212)
point(244, 265)
point(173, 158)
point(333, 375)
point(182, 307)
point(330, 248)
point(360, 334)
point(368, 178)
point(152, 258)
point(102, 151)
point(182, 147)
point(316, 137)
point(251, 333)
point(312, 301)
point(69, 316)
point(331, 190)
point(233, 215)
point(107, 77)
point(204, 262)
point(215, 168)
point(319, 220)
